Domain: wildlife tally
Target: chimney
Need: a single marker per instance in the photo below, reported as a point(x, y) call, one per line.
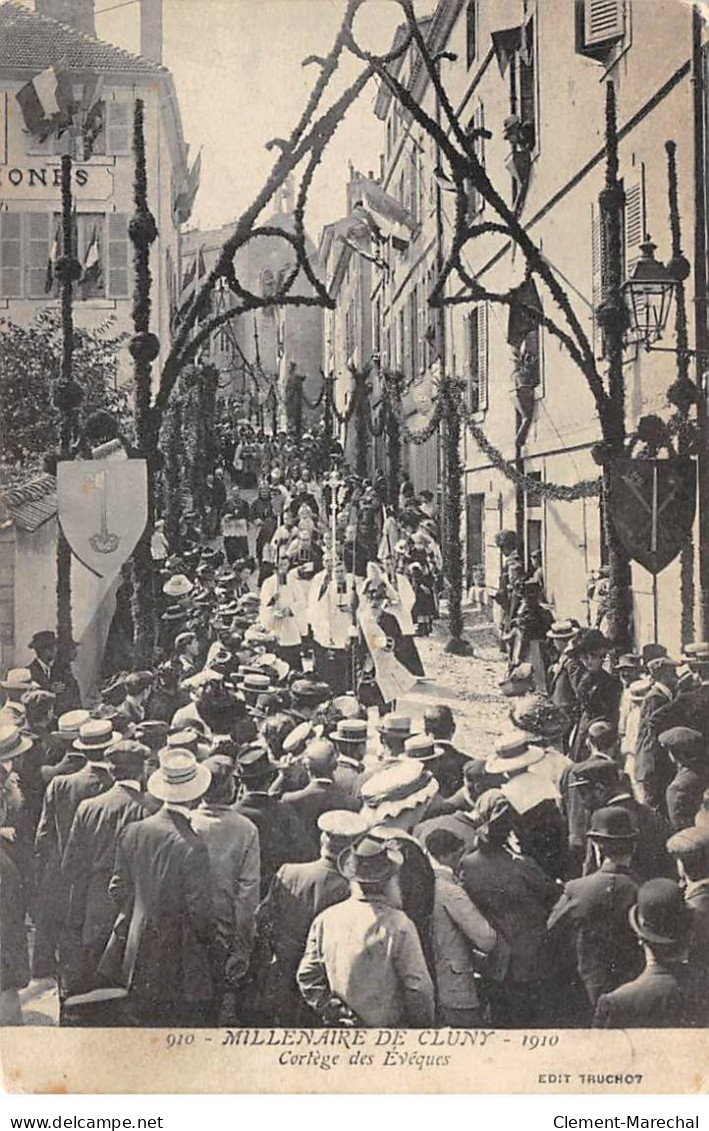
point(151, 30)
point(78, 14)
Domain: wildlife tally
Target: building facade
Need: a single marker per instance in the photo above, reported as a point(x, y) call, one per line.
point(104, 82)
point(536, 70)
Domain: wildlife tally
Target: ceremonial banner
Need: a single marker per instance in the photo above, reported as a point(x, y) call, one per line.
point(652, 507)
point(102, 509)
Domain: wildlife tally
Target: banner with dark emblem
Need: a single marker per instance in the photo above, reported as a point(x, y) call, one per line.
point(652, 506)
point(102, 508)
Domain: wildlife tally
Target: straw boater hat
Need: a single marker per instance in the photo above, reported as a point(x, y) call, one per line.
point(294, 743)
point(563, 629)
point(350, 732)
point(97, 734)
point(18, 679)
point(340, 827)
point(180, 778)
point(370, 861)
point(661, 917)
point(177, 586)
point(513, 752)
point(174, 613)
point(13, 743)
point(422, 748)
point(400, 787)
point(255, 683)
point(68, 726)
point(399, 726)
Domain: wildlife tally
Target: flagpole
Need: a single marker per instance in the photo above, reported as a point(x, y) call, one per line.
point(67, 397)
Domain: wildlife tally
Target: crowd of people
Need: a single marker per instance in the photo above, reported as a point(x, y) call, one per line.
point(256, 831)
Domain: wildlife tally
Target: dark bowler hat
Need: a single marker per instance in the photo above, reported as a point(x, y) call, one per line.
point(612, 823)
point(652, 652)
point(660, 916)
point(253, 762)
point(370, 861)
point(43, 639)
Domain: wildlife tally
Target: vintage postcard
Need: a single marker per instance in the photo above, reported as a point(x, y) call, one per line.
point(354, 546)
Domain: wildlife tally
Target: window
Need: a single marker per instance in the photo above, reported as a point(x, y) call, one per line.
point(600, 28)
point(106, 129)
point(10, 254)
point(45, 243)
point(119, 127)
point(477, 358)
point(118, 264)
point(471, 32)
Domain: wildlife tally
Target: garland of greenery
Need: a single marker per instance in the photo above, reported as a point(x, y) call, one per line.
point(173, 473)
point(682, 394)
point(67, 397)
point(144, 348)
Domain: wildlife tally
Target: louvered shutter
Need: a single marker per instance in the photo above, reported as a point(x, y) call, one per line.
point(118, 255)
point(118, 131)
point(473, 361)
point(603, 21)
point(634, 226)
point(482, 357)
point(38, 237)
point(11, 254)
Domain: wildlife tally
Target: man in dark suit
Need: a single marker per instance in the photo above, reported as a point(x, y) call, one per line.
point(61, 800)
point(44, 646)
point(320, 794)
point(515, 896)
point(598, 693)
point(282, 837)
point(599, 783)
point(687, 751)
point(87, 864)
point(350, 738)
point(595, 908)
point(653, 770)
point(438, 722)
point(298, 893)
point(63, 758)
point(164, 940)
point(665, 995)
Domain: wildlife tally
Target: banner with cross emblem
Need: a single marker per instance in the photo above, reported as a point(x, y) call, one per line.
point(652, 506)
point(102, 507)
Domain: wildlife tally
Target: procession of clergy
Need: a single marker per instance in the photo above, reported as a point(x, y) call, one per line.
point(254, 832)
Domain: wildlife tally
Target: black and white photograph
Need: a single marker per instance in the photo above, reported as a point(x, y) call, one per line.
point(354, 536)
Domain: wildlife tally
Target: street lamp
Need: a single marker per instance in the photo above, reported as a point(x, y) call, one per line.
point(648, 296)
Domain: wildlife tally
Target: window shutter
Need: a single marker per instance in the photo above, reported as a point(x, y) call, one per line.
point(482, 356)
point(634, 216)
point(118, 265)
point(38, 236)
point(11, 254)
point(603, 21)
point(118, 132)
point(473, 361)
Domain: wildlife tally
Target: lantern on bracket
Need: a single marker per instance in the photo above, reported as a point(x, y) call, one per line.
point(647, 294)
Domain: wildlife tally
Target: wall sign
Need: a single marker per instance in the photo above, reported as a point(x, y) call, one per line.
point(44, 181)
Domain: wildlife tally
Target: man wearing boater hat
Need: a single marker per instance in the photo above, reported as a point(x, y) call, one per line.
point(363, 959)
point(298, 893)
point(87, 864)
point(164, 945)
point(63, 796)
